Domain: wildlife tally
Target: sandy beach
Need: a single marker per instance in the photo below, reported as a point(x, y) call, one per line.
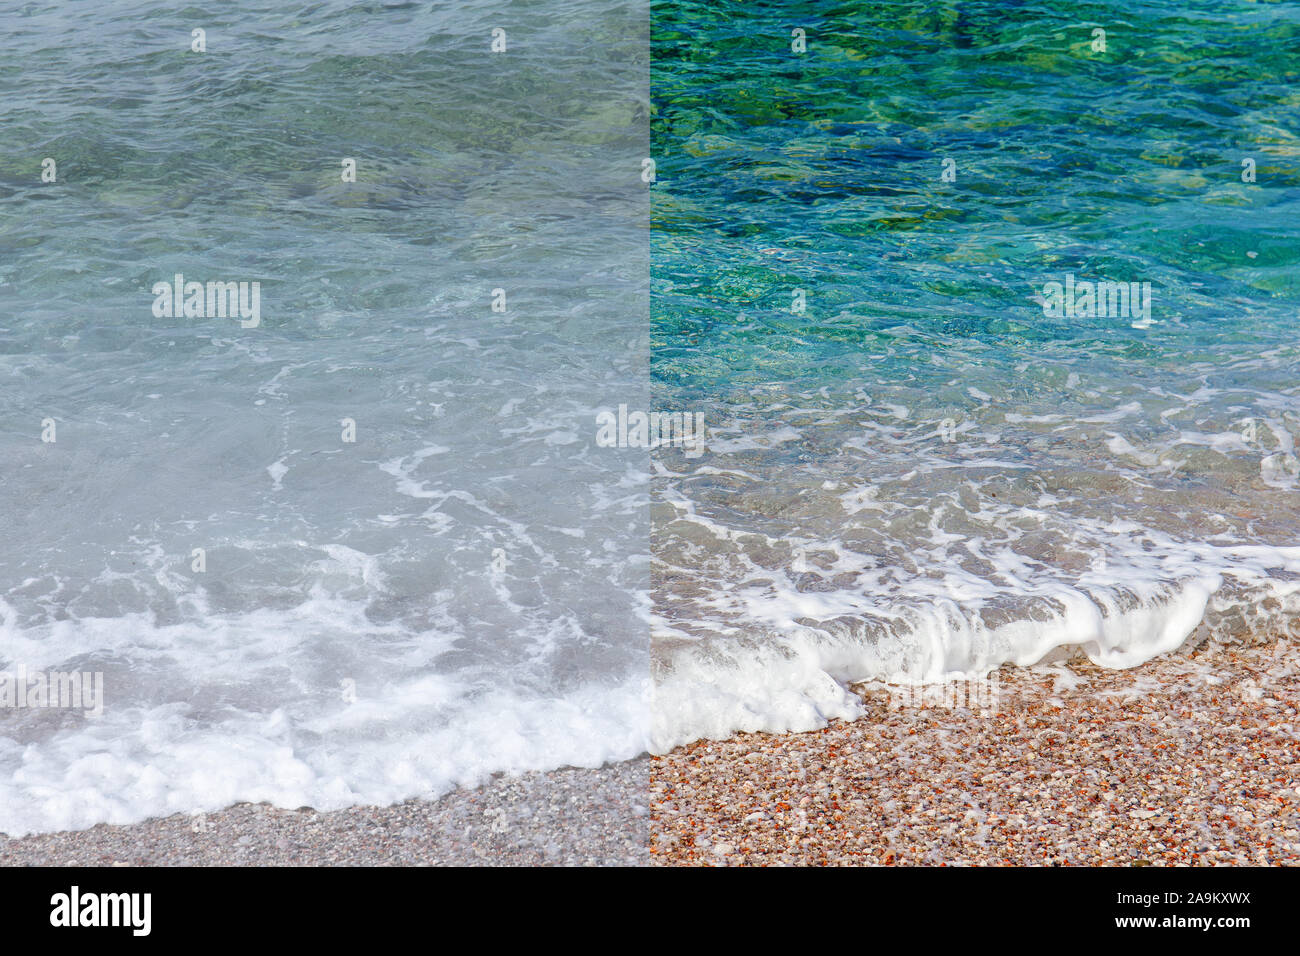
point(562, 818)
point(1186, 760)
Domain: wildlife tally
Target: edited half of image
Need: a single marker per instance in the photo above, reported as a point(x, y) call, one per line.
point(309, 316)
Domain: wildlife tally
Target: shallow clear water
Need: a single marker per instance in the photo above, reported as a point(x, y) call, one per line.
point(924, 473)
point(461, 589)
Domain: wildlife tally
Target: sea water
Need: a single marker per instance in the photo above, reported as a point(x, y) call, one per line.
point(991, 311)
point(365, 547)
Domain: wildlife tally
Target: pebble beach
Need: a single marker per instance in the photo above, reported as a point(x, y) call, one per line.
point(569, 817)
point(1188, 760)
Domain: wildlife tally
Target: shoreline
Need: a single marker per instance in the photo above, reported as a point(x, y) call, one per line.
point(1190, 759)
point(565, 817)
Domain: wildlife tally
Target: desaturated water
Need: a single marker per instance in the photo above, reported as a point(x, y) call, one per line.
point(280, 613)
point(931, 469)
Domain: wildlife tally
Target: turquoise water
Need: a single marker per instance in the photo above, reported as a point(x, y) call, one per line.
point(923, 473)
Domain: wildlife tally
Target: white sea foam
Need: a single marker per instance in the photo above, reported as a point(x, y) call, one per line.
point(920, 552)
point(312, 705)
point(783, 675)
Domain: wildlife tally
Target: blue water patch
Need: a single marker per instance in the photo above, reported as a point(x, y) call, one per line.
point(991, 311)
